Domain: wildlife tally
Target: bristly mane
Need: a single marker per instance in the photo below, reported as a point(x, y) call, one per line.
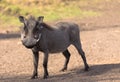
point(47, 26)
point(31, 17)
point(31, 20)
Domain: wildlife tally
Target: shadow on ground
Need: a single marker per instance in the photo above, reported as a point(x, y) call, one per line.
point(75, 75)
point(9, 35)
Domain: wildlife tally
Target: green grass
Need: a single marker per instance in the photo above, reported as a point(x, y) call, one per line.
point(10, 12)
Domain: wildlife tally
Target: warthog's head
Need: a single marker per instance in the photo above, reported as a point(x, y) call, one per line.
point(31, 31)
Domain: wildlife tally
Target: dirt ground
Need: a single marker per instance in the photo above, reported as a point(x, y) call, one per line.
point(100, 38)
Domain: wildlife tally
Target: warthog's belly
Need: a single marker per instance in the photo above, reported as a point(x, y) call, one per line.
point(57, 49)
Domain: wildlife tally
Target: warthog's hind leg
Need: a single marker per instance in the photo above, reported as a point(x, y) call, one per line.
point(67, 57)
point(81, 52)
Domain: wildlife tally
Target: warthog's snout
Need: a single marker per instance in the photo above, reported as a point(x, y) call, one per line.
point(29, 42)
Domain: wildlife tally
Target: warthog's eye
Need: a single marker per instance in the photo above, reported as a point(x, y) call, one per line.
point(24, 36)
point(36, 36)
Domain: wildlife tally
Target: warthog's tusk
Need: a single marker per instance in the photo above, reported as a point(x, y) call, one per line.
point(39, 37)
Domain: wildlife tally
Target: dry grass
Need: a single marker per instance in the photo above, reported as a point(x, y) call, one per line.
point(51, 9)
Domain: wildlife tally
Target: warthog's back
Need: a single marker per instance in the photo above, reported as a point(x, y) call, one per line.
point(72, 29)
point(69, 25)
point(60, 38)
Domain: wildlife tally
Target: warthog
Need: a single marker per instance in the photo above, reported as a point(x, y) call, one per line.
point(39, 36)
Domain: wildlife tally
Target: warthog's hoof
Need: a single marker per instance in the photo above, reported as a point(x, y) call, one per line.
point(34, 76)
point(45, 77)
point(87, 68)
point(63, 69)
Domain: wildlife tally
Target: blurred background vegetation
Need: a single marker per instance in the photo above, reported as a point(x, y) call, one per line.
point(51, 9)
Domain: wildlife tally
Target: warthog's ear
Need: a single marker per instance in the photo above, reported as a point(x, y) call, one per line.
point(40, 19)
point(22, 19)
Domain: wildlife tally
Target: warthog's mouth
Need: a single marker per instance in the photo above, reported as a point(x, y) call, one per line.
point(29, 46)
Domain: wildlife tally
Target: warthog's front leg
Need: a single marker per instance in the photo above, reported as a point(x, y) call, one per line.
point(35, 62)
point(45, 62)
